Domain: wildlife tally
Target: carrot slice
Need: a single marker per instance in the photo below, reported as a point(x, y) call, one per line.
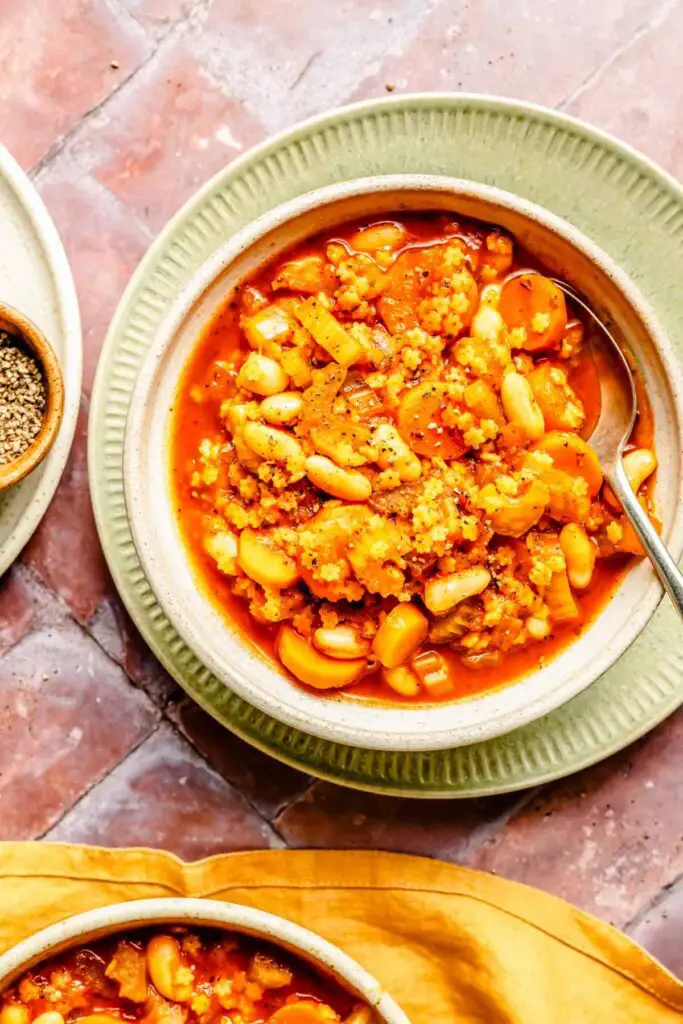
point(571, 453)
point(308, 274)
point(557, 401)
point(398, 302)
point(312, 667)
point(420, 422)
point(533, 302)
point(560, 600)
point(302, 1012)
point(397, 305)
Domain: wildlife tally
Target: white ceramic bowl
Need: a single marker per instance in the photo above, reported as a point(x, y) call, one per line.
point(96, 924)
point(567, 253)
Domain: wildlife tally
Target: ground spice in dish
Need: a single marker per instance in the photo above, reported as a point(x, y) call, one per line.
point(23, 398)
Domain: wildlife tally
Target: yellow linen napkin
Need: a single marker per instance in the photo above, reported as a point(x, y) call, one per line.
point(450, 944)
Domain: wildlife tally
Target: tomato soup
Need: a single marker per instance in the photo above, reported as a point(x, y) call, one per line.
point(382, 466)
point(178, 975)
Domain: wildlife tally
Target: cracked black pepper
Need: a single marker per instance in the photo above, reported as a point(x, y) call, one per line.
point(23, 399)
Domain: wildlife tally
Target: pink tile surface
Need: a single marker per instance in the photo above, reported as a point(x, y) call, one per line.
point(332, 816)
point(104, 245)
point(607, 838)
point(285, 72)
point(527, 50)
point(65, 551)
point(68, 716)
point(165, 796)
point(633, 96)
point(123, 108)
point(162, 137)
point(57, 64)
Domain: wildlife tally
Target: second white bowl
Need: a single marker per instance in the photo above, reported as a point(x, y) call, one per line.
point(323, 956)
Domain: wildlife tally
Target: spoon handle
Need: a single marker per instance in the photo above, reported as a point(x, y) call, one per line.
point(663, 564)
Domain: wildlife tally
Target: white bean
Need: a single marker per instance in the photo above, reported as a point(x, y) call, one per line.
point(639, 464)
point(394, 453)
point(265, 563)
point(165, 963)
point(262, 375)
point(521, 407)
point(283, 408)
point(341, 642)
point(444, 593)
point(348, 484)
point(272, 444)
point(579, 554)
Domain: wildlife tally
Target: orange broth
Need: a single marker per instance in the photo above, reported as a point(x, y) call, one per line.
point(101, 978)
point(222, 340)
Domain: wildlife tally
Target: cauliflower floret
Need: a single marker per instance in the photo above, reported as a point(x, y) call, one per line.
point(540, 322)
point(615, 532)
point(482, 358)
point(546, 558)
point(361, 280)
point(222, 547)
point(449, 314)
point(388, 480)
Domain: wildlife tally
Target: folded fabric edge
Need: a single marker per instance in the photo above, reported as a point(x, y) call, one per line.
point(228, 873)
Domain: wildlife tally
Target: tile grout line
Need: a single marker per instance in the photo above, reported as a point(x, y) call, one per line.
point(188, 739)
point(157, 46)
point(653, 22)
point(160, 711)
point(478, 838)
point(489, 830)
point(185, 739)
point(45, 836)
point(58, 147)
point(118, 10)
point(652, 904)
point(162, 705)
point(215, 74)
point(67, 616)
point(66, 158)
point(287, 804)
point(97, 782)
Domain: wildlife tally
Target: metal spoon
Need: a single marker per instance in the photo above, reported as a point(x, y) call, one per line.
point(618, 410)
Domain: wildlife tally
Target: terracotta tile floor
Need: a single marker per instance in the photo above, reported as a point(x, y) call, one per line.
point(119, 109)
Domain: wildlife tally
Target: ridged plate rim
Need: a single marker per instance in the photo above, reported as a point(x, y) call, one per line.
point(372, 137)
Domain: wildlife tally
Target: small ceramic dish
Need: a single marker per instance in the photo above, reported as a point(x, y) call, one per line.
point(25, 331)
point(325, 958)
point(566, 253)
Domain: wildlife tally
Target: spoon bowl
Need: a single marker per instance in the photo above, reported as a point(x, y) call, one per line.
point(611, 433)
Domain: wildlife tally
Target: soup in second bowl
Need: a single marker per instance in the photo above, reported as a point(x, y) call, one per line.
point(178, 975)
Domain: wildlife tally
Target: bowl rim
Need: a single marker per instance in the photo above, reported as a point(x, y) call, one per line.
point(405, 738)
point(14, 471)
point(113, 918)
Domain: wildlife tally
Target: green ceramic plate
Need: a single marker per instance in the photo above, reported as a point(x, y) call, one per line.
point(628, 206)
